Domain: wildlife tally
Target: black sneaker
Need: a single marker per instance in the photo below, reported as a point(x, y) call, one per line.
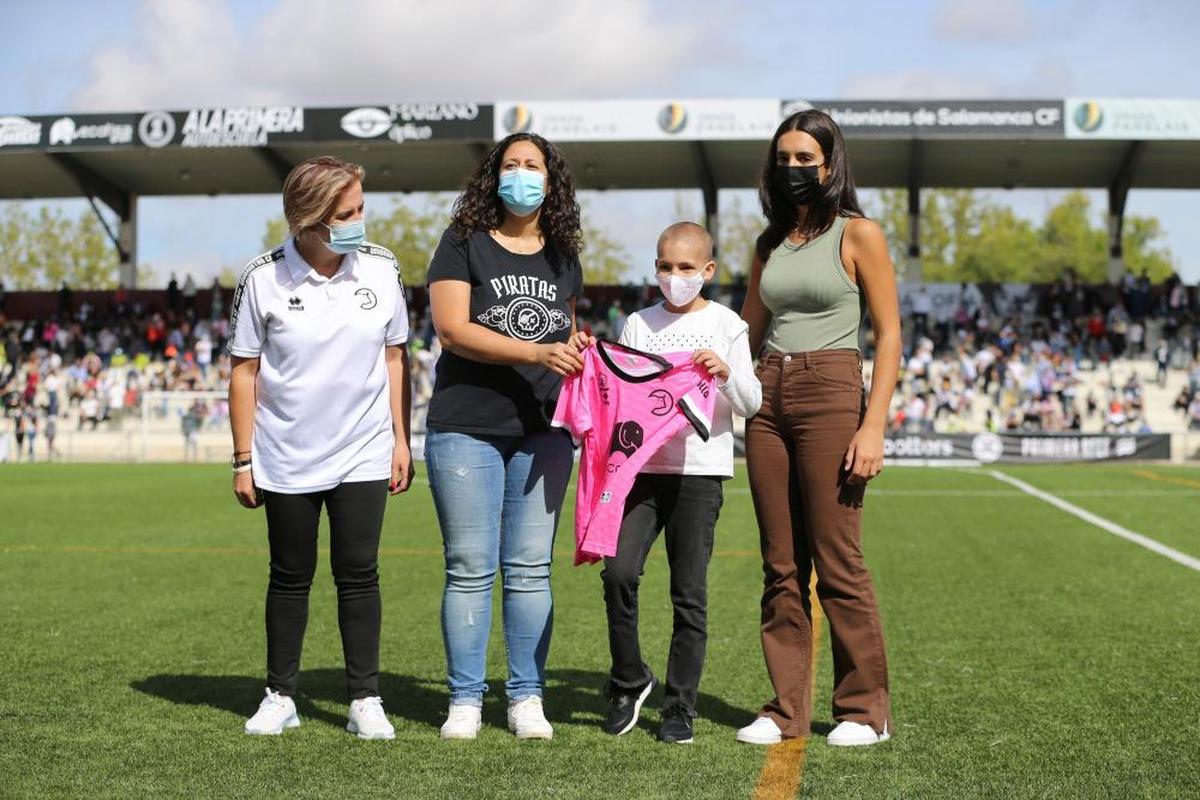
point(624, 705)
point(676, 726)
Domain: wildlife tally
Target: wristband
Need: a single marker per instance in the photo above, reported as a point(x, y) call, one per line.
point(238, 470)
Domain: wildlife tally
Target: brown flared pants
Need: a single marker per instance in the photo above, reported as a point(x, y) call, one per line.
point(810, 518)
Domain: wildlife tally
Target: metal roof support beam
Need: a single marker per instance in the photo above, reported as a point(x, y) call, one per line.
point(128, 244)
point(1118, 193)
point(912, 270)
point(276, 162)
point(123, 203)
point(93, 184)
point(708, 187)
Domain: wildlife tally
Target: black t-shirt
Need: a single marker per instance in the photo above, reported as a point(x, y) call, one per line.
point(526, 297)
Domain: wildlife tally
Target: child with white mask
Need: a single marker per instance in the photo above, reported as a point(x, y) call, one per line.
point(679, 491)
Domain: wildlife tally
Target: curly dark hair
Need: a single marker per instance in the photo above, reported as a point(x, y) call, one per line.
point(837, 197)
point(479, 207)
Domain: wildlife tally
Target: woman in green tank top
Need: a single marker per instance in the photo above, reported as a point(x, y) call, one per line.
point(817, 439)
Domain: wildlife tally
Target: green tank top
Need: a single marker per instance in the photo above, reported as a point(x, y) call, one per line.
point(813, 303)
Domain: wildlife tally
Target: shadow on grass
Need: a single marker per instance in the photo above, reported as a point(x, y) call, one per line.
point(575, 695)
point(572, 696)
point(411, 698)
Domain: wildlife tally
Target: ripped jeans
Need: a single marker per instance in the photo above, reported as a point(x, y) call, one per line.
point(498, 500)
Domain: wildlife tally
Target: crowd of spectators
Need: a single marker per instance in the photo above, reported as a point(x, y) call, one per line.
point(1016, 362)
point(976, 358)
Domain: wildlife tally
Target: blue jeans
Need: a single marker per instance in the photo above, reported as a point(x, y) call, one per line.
point(498, 500)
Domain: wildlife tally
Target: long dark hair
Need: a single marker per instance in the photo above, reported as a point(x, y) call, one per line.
point(479, 207)
point(837, 197)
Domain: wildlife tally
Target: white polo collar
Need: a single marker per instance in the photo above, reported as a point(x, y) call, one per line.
point(302, 271)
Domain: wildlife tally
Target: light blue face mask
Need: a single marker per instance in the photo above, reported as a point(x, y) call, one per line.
point(346, 238)
point(522, 190)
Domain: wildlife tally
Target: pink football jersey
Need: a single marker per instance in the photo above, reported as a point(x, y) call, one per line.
point(623, 406)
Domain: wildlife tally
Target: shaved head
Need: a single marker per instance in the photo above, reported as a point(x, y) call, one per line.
point(692, 236)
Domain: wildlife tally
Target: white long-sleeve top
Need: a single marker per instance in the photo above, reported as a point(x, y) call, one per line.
point(713, 327)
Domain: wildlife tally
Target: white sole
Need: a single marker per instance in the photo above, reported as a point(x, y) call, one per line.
point(637, 708)
point(456, 736)
point(291, 722)
point(749, 738)
point(879, 737)
point(860, 742)
point(753, 740)
point(352, 728)
point(536, 735)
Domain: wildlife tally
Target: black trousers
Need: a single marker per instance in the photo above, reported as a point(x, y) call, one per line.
point(686, 507)
point(355, 519)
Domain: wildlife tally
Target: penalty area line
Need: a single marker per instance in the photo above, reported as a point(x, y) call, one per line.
point(1100, 522)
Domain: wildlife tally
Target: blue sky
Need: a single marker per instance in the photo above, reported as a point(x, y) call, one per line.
point(59, 55)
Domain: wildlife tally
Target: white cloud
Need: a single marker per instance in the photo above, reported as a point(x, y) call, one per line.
point(917, 84)
point(191, 52)
point(985, 20)
point(1047, 78)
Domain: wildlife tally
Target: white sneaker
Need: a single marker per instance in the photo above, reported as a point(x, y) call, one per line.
point(762, 731)
point(527, 720)
point(855, 734)
point(368, 720)
point(275, 713)
point(462, 722)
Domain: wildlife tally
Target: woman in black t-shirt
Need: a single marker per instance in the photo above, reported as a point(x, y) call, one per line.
point(502, 286)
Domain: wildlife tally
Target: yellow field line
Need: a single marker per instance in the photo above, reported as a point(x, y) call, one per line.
point(783, 768)
point(1144, 473)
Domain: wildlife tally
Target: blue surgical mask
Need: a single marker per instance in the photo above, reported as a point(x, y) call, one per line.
point(522, 190)
point(346, 238)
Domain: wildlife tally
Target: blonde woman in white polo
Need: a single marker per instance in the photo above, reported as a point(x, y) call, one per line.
point(318, 403)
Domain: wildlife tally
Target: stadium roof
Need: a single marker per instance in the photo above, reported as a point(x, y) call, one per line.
point(611, 144)
point(640, 144)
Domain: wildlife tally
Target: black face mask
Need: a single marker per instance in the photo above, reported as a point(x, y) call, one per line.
point(801, 184)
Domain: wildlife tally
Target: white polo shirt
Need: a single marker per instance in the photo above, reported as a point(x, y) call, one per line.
point(322, 414)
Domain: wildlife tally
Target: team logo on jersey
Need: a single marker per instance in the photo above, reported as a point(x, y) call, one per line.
point(525, 318)
point(627, 438)
point(369, 298)
point(295, 303)
point(666, 402)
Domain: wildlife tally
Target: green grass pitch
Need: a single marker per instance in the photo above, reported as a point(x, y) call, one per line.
point(1032, 655)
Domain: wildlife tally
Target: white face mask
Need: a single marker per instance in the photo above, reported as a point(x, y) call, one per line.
point(679, 290)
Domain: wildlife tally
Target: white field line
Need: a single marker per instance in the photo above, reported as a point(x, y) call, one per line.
point(1100, 522)
point(873, 492)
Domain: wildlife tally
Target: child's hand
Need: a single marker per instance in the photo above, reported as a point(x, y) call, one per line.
point(581, 341)
point(713, 363)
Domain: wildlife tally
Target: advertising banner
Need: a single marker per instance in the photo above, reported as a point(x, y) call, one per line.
point(1132, 119)
point(943, 299)
point(639, 120)
point(404, 122)
point(250, 126)
point(1022, 119)
point(68, 131)
point(990, 448)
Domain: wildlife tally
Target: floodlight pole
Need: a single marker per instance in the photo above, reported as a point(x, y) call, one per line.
point(127, 244)
point(912, 269)
point(708, 188)
point(1118, 193)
